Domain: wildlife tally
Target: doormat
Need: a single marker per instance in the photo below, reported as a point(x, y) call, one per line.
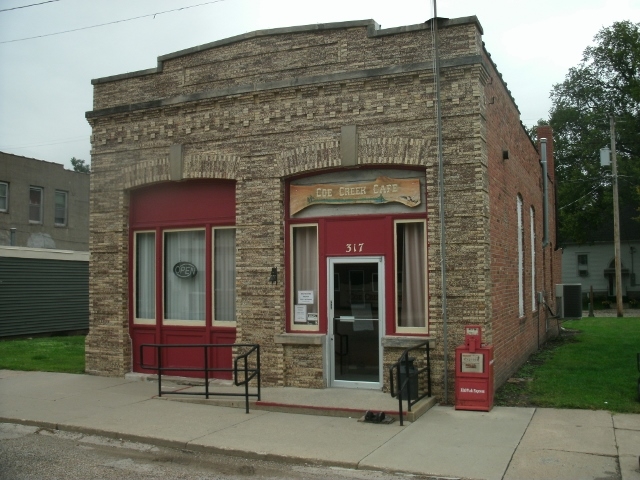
point(376, 417)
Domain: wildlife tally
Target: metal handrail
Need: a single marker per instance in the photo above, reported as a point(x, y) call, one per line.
point(410, 377)
point(249, 373)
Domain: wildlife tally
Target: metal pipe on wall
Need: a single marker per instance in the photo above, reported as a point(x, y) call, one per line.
point(545, 193)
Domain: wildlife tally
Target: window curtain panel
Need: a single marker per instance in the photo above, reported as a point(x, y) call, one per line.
point(145, 275)
point(412, 313)
point(305, 264)
point(184, 297)
point(224, 262)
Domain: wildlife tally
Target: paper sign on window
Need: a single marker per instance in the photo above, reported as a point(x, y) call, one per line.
point(300, 314)
point(305, 297)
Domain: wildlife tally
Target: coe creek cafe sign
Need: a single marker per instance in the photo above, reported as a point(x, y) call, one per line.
point(185, 270)
point(381, 190)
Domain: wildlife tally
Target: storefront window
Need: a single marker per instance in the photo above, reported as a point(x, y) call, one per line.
point(224, 267)
point(305, 277)
point(410, 277)
point(184, 276)
point(145, 272)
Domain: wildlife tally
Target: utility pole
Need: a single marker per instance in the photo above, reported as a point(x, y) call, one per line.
point(605, 160)
point(616, 219)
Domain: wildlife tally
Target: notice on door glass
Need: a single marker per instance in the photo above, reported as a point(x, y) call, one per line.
point(472, 362)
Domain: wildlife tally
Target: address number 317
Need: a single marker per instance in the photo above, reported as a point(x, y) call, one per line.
point(354, 247)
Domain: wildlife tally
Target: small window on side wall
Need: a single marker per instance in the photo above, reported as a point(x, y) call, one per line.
point(411, 284)
point(4, 197)
point(60, 209)
point(583, 265)
point(35, 205)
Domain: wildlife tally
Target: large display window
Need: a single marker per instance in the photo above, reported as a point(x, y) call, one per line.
point(224, 276)
point(185, 273)
point(411, 286)
point(304, 271)
point(145, 277)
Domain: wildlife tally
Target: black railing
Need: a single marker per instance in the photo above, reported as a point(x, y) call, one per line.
point(241, 376)
point(407, 377)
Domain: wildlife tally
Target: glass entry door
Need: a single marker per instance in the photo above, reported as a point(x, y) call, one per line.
point(356, 321)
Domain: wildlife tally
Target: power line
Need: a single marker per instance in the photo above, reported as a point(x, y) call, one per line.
point(578, 199)
point(110, 23)
point(56, 142)
point(25, 6)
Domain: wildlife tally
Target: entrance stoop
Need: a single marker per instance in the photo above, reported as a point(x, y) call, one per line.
point(333, 402)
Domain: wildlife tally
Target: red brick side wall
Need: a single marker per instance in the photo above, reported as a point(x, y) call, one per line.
point(514, 336)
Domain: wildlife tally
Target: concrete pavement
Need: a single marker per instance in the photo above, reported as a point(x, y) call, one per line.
point(506, 443)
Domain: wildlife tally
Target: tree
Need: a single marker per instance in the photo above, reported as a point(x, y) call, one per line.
point(605, 83)
point(80, 166)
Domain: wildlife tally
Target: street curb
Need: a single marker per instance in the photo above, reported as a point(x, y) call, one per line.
point(189, 446)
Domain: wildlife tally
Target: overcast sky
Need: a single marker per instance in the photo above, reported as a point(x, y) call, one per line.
point(45, 82)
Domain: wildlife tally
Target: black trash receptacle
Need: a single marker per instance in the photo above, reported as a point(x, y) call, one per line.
point(412, 386)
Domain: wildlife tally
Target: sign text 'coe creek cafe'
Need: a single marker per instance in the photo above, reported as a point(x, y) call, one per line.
point(381, 190)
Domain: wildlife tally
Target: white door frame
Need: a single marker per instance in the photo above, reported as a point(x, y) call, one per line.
point(329, 354)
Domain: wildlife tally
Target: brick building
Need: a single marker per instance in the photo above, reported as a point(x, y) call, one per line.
point(44, 247)
point(281, 187)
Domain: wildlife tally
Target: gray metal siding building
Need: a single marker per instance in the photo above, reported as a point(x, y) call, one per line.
point(43, 291)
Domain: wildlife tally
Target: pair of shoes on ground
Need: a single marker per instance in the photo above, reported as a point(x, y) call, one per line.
point(373, 417)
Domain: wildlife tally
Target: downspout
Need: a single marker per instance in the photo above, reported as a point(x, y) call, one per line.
point(443, 243)
point(545, 193)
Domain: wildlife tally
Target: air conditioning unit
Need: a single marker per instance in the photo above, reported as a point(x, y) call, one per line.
point(569, 300)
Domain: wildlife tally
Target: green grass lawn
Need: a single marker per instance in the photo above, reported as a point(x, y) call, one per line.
point(592, 366)
point(45, 354)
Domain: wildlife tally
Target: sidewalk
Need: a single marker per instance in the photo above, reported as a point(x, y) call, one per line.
point(509, 443)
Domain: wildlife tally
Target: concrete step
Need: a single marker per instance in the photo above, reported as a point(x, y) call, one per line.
point(333, 402)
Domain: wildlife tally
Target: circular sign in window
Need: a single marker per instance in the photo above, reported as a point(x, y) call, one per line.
point(185, 270)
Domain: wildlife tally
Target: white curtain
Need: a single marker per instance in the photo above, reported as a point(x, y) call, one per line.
point(146, 275)
point(305, 263)
point(184, 297)
point(224, 262)
point(412, 311)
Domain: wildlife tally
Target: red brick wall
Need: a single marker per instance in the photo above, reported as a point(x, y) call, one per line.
point(514, 336)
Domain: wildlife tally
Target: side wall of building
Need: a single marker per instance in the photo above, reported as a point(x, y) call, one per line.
point(600, 256)
point(519, 321)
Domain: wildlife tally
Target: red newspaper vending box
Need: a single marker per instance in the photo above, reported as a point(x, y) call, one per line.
point(474, 372)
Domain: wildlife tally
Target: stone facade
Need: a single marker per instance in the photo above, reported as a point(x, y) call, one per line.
point(265, 107)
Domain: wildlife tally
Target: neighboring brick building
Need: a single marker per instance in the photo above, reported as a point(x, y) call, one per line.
point(42, 205)
point(311, 152)
point(44, 247)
